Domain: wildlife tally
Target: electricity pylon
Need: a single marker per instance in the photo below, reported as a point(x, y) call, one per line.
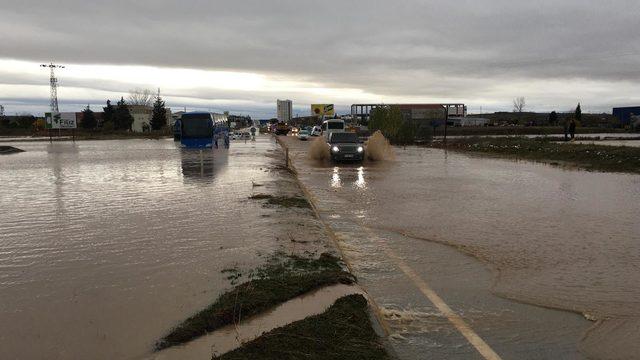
point(54, 85)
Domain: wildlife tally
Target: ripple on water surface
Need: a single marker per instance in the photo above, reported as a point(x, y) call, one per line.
point(99, 235)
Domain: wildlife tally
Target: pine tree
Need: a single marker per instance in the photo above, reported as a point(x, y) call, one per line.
point(123, 119)
point(553, 118)
point(109, 115)
point(159, 117)
point(88, 119)
point(578, 113)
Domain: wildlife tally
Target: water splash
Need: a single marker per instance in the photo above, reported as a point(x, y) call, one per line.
point(378, 148)
point(319, 149)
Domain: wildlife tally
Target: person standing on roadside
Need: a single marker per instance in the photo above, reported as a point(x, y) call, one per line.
point(572, 128)
point(566, 130)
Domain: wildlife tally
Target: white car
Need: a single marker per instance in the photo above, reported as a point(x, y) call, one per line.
point(303, 135)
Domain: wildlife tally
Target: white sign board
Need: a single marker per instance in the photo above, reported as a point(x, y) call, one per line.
point(65, 120)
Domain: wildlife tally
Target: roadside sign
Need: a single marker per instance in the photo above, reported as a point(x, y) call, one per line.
point(58, 120)
point(322, 110)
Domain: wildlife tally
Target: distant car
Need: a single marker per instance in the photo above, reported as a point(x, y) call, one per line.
point(245, 136)
point(316, 131)
point(236, 135)
point(303, 135)
point(345, 146)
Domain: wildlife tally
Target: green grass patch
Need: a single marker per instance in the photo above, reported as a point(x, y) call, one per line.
point(520, 130)
point(284, 201)
point(587, 156)
point(342, 332)
point(282, 278)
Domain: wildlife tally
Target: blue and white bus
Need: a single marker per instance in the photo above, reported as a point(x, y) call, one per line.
point(199, 129)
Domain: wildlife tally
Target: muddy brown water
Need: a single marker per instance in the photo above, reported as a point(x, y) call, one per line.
point(559, 238)
point(105, 245)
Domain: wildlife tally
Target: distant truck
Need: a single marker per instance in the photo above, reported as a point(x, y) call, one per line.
point(282, 128)
point(345, 146)
point(332, 126)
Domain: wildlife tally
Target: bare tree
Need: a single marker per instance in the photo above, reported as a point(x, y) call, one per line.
point(140, 96)
point(519, 104)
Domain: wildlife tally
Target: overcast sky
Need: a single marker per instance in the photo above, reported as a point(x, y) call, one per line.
point(243, 55)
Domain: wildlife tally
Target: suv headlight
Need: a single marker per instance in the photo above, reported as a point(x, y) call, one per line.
point(335, 149)
point(360, 149)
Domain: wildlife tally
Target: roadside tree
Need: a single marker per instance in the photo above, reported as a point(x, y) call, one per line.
point(553, 118)
point(122, 119)
point(88, 119)
point(109, 115)
point(159, 116)
point(578, 114)
point(140, 96)
point(519, 104)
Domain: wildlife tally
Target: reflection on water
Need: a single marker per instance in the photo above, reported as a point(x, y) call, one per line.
point(105, 245)
point(335, 178)
point(360, 183)
point(348, 175)
point(201, 165)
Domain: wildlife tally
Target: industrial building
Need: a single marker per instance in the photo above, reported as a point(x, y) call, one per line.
point(420, 113)
point(285, 108)
point(624, 114)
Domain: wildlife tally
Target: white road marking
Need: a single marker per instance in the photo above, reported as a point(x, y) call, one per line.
point(474, 339)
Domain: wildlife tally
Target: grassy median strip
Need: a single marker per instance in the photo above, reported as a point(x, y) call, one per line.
point(282, 278)
point(9, 150)
point(284, 201)
point(342, 332)
point(587, 156)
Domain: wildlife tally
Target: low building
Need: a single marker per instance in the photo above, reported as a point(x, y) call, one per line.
point(239, 121)
point(624, 114)
point(420, 113)
point(142, 115)
point(301, 121)
point(468, 121)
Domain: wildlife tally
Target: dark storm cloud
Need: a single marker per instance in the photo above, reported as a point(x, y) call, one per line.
point(428, 48)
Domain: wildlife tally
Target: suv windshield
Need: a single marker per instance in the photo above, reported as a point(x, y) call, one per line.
point(344, 137)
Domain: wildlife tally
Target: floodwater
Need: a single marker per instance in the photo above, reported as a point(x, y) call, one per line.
point(106, 245)
point(556, 238)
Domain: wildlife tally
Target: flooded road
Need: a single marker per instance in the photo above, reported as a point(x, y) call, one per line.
point(552, 237)
point(105, 245)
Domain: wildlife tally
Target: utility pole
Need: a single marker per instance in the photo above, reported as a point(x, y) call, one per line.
point(53, 81)
point(1, 110)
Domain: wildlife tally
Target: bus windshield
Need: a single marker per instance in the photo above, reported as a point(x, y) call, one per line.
point(197, 126)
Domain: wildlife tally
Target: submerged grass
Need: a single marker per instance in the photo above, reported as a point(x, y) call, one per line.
point(284, 201)
point(587, 156)
point(9, 150)
point(281, 279)
point(342, 332)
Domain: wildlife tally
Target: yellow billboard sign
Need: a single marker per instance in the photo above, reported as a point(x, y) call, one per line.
point(322, 109)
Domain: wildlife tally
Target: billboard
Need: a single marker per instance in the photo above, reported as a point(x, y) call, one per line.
point(322, 109)
point(65, 120)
